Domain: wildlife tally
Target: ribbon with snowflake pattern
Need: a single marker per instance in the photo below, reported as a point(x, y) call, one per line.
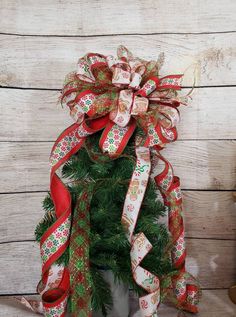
point(117, 94)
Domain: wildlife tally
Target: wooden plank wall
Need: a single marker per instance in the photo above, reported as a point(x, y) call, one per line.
point(40, 42)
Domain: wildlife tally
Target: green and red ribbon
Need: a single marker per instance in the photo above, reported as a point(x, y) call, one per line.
point(116, 94)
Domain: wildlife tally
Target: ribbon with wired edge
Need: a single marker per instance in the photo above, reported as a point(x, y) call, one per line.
point(117, 94)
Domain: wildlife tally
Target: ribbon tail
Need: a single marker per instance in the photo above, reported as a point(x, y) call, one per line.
point(140, 245)
point(80, 280)
point(185, 290)
point(34, 305)
point(55, 240)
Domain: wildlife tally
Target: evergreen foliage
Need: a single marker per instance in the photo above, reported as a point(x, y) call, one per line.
point(109, 247)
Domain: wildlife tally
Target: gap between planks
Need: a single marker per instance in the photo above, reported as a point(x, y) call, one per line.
point(182, 189)
point(186, 237)
point(60, 89)
point(117, 34)
point(35, 293)
point(50, 141)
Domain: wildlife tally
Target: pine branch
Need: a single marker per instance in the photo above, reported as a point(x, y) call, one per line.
point(101, 294)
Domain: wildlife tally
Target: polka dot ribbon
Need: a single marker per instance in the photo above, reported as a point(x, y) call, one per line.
point(117, 94)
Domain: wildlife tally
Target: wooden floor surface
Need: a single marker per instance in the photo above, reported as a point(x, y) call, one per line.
point(214, 303)
point(40, 42)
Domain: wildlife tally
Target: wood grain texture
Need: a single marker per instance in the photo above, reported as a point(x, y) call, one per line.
point(206, 214)
point(199, 164)
point(212, 261)
point(112, 17)
point(20, 213)
point(210, 214)
point(32, 115)
point(215, 303)
point(43, 62)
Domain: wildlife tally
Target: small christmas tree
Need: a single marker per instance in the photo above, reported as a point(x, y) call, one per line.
point(90, 170)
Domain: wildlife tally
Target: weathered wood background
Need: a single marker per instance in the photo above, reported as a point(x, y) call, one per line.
point(41, 42)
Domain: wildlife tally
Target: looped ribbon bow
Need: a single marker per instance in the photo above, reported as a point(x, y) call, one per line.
point(117, 95)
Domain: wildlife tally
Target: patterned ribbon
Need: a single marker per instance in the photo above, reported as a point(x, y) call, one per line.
point(184, 285)
point(116, 95)
point(80, 281)
point(56, 239)
point(140, 245)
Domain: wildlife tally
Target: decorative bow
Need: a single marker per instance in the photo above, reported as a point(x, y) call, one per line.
point(118, 95)
point(106, 87)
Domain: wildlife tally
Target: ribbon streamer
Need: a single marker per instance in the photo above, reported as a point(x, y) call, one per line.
point(117, 94)
point(79, 258)
point(185, 289)
point(140, 246)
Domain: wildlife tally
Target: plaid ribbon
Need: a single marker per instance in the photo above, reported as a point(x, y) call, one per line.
point(80, 280)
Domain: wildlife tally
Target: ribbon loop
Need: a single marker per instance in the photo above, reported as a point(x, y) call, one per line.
point(121, 71)
point(140, 105)
point(149, 87)
point(124, 53)
point(86, 64)
point(137, 71)
point(122, 114)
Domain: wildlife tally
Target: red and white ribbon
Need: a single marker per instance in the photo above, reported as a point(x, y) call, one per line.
point(116, 95)
point(140, 245)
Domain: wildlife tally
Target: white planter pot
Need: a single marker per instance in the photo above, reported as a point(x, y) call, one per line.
point(120, 295)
